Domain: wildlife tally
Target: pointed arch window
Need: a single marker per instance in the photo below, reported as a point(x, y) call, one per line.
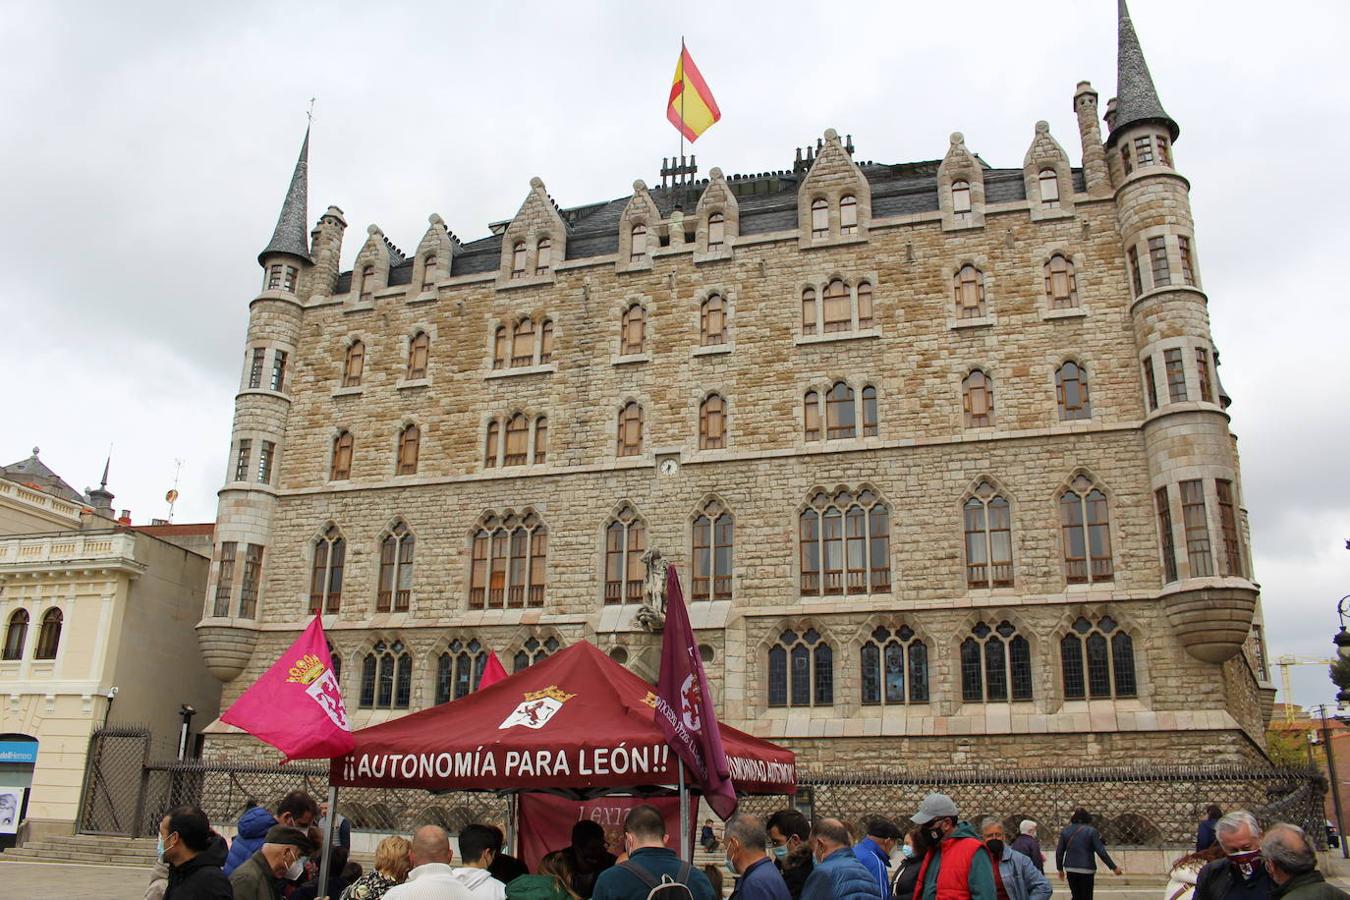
point(1049, 182)
point(354, 365)
point(418, 348)
point(522, 343)
point(533, 651)
point(459, 669)
point(820, 218)
point(540, 440)
point(544, 257)
point(995, 664)
point(396, 570)
point(336, 656)
point(961, 200)
point(712, 423)
point(894, 666)
point(809, 311)
point(1061, 283)
point(633, 330)
point(801, 670)
point(509, 559)
point(518, 255)
point(386, 677)
point(546, 342)
point(1086, 525)
point(49, 634)
point(811, 416)
point(517, 441)
point(869, 411)
point(977, 399)
point(1071, 392)
point(409, 444)
point(988, 520)
point(500, 341)
point(838, 312)
point(367, 285)
point(637, 251)
point(717, 231)
point(494, 429)
point(840, 418)
point(630, 430)
point(341, 469)
point(713, 538)
point(845, 544)
point(16, 634)
point(848, 214)
point(865, 317)
point(325, 581)
point(429, 273)
point(969, 290)
point(1108, 651)
point(713, 321)
point(625, 543)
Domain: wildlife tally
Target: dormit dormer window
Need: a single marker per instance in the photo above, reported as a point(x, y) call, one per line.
point(638, 250)
point(429, 273)
point(820, 218)
point(961, 200)
point(518, 254)
point(848, 215)
point(717, 231)
point(1049, 182)
point(367, 294)
point(543, 257)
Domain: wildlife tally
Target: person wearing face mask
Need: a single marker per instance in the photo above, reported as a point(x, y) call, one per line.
point(956, 864)
point(193, 854)
point(1076, 854)
point(1026, 844)
point(651, 864)
point(757, 878)
point(837, 875)
point(907, 874)
point(281, 857)
point(878, 852)
point(1291, 862)
point(1015, 876)
point(790, 833)
point(297, 810)
point(1238, 874)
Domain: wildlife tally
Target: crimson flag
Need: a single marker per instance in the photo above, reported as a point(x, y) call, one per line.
point(493, 671)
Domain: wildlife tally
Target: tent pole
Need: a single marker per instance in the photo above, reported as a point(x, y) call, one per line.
point(685, 853)
point(513, 823)
point(324, 856)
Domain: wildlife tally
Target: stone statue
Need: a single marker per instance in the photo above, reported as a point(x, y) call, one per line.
point(651, 616)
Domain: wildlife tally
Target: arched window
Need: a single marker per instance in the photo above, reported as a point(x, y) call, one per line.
point(1061, 284)
point(625, 542)
point(386, 677)
point(49, 634)
point(840, 418)
point(845, 544)
point(509, 559)
point(865, 317)
point(969, 290)
point(988, 520)
point(993, 660)
point(396, 570)
point(517, 441)
point(884, 668)
point(494, 429)
point(820, 218)
point(713, 537)
point(1109, 653)
point(367, 284)
point(409, 442)
point(717, 231)
point(500, 340)
point(811, 416)
point(354, 365)
point(633, 333)
point(713, 320)
point(417, 355)
point(544, 258)
point(869, 411)
point(518, 259)
point(1049, 188)
point(961, 200)
point(712, 423)
point(977, 398)
point(1085, 521)
point(1071, 392)
point(325, 582)
point(522, 343)
point(429, 273)
point(801, 670)
point(630, 430)
point(533, 651)
point(837, 307)
point(16, 634)
point(540, 440)
point(809, 311)
point(459, 669)
point(341, 469)
point(546, 342)
point(848, 214)
point(637, 251)
point(336, 656)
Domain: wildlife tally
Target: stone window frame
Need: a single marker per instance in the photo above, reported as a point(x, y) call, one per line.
point(531, 524)
point(701, 297)
point(540, 321)
point(1078, 266)
point(1074, 483)
point(335, 435)
point(833, 196)
point(270, 348)
point(349, 344)
point(329, 533)
point(380, 606)
point(644, 446)
point(951, 270)
point(535, 646)
point(701, 437)
point(51, 627)
point(822, 388)
point(961, 376)
point(714, 508)
point(379, 647)
point(895, 624)
point(502, 420)
point(399, 433)
point(994, 618)
point(801, 626)
point(619, 311)
point(1176, 271)
point(631, 585)
point(974, 492)
point(1094, 615)
point(1187, 346)
point(1085, 382)
point(818, 282)
point(453, 648)
point(809, 501)
point(403, 382)
point(16, 634)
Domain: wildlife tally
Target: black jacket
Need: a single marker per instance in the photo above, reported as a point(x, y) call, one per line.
point(1308, 886)
point(905, 879)
point(796, 868)
point(201, 878)
point(506, 868)
point(1219, 881)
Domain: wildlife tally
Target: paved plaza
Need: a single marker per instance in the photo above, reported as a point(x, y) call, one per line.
point(76, 882)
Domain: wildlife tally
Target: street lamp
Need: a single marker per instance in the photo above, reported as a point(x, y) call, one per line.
point(186, 712)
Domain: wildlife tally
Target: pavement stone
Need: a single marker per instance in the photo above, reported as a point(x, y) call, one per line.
point(75, 881)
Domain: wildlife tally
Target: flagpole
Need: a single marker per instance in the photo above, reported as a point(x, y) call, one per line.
point(684, 83)
point(684, 817)
point(325, 856)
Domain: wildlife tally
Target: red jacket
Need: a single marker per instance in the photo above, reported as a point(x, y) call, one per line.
point(957, 855)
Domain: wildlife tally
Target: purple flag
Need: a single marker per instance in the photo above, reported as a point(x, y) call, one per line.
point(684, 705)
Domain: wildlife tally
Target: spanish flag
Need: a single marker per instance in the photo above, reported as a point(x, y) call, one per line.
point(692, 108)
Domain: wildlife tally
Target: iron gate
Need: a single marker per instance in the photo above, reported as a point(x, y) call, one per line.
point(113, 801)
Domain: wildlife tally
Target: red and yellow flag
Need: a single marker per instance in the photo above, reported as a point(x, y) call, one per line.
point(692, 108)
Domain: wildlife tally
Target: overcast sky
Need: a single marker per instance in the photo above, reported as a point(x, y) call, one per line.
point(146, 148)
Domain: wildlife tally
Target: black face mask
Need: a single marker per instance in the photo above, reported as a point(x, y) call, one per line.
point(995, 848)
point(934, 833)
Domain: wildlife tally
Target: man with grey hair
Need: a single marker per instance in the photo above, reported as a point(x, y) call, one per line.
point(757, 877)
point(1291, 863)
point(1027, 844)
point(1015, 876)
point(1238, 874)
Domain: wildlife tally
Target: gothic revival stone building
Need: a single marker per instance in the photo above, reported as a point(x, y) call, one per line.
point(940, 450)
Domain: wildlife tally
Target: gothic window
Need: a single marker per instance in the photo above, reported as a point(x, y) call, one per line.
point(865, 318)
point(544, 257)
point(16, 634)
point(540, 440)
point(712, 423)
point(630, 430)
point(1150, 384)
point(988, 526)
point(1049, 188)
point(1108, 651)
point(869, 411)
point(840, 420)
point(325, 582)
point(845, 544)
point(522, 343)
point(717, 231)
point(713, 320)
point(820, 218)
point(508, 563)
point(625, 543)
point(500, 340)
point(241, 459)
point(1157, 254)
point(533, 651)
point(1143, 151)
point(336, 656)
point(969, 290)
point(1136, 278)
point(1085, 521)
point(409, 441)
point(977, 399)
point(801, 670)
point(342, 457)
point(995, 664)
point(838, 314)
point(1176, 375)
point(354, 365)
point(1061, 283)
point(809, 311)
point(518, 259)
point(289, 283)
point(459, 669)
point(266, 454)
point(429, 273)
point(638, 248)
point(248, 589)
point(1195, 520)
point(386, 676)
point(546, 342)
point(255, 368)
point(225, 576)
point(1202, 374)
point(713, 538)
point(367, 294)
point(633, 331)
point(278, 370)
point(961, 200)
point(811, 416)
point(517, 441)
point(1169, 548)
point(1187, 272)
point(887, 677)
point(417, 355)
point(494, 429)
point(848, 214)
point(1232, 548)
point(396, 570)
point(49, 634)
point(1071, 392)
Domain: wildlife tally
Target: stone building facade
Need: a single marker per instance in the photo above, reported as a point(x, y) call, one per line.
point(939, 449)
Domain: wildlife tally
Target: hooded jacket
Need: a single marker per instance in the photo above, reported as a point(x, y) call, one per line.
point(480, 883)
point(956, 868)
point(876, 861)
point(253, 825)
point(535, 887)
point(840, 875)
point(200, 878)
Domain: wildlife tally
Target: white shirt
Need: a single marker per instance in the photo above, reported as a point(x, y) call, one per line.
point(431, 881)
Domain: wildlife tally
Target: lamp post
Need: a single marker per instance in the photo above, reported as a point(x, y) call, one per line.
point(187, 712)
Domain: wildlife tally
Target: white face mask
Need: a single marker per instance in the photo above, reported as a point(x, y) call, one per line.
point(296, 869)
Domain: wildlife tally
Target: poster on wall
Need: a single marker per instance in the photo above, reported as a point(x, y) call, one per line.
point(11, 803)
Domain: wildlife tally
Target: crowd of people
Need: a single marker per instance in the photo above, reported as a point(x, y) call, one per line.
point(937, 856)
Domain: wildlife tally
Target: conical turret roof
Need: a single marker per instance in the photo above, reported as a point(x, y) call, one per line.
point(291, 235)
point(1136, 98)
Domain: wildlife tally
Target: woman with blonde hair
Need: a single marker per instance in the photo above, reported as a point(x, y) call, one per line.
point(390, 869)
point(552, 882)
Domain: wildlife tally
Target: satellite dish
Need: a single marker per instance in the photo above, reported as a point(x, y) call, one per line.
point(172, 495)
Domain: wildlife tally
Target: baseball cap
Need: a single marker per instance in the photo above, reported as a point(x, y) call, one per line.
point(934, 806)
point(284, 834)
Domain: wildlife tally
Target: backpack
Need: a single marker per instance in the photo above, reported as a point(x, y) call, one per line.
point(666, 888)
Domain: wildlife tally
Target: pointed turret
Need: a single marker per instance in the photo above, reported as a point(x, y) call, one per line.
point(101, 498)
point(1136, 99)
point(290, 236)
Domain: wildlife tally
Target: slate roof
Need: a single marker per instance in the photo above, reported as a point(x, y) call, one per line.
point(1136, 97)
point(292, 235)
point(33, 472)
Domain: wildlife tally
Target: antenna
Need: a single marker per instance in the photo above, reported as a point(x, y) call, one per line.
point(309, 113)
point(172, 496)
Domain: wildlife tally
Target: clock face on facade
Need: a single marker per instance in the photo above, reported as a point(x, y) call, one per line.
point(669, 467)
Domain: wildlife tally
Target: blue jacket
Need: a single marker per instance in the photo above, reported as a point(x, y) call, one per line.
point(1204, 835)
point(762, 881)
point(877, 862)
point(1020, 877)
point(253, 825)
point(1077, 848)
point(617, 883)
point(840, 876)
